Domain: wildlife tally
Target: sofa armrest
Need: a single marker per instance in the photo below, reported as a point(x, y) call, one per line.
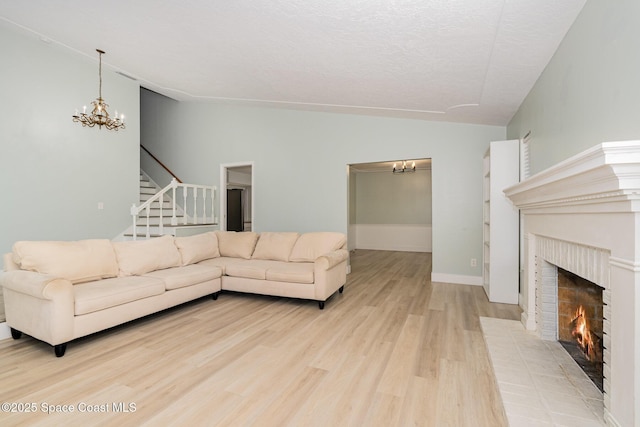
point(39, 305)
point(331, 259)
point(37, 285)
point(330, 273)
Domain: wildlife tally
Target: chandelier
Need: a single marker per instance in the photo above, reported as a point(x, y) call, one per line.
point(404, 167)
point(99, 115)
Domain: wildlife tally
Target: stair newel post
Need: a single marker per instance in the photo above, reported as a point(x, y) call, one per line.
point(134, 215)
point(195, 204)
point(174, 184)
point(148, 215)
point(185, 191)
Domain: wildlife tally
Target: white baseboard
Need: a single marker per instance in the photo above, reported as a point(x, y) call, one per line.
point(610, 420)
point(5, 332)
point(459, 279)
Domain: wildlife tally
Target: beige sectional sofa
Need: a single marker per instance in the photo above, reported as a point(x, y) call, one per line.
point(60, 291)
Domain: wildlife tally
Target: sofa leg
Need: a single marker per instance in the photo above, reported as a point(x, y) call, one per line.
point(341, 290)
point(59, 349)
point(215, 295)
point(16, 334)
point(321, 305)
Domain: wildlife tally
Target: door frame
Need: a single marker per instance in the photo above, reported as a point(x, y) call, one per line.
point(223, 192)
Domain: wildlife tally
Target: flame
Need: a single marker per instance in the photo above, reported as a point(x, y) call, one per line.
point(582, 333)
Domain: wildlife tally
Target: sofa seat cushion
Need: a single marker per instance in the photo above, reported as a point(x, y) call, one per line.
point(253, 269)
point(299, 272)
point(221, 262)
point(103, 294)
point(180, 277)
point(273, 270)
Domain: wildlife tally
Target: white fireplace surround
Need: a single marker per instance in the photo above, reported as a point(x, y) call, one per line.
point(583, 215)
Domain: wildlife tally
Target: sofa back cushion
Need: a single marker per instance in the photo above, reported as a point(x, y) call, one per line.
point(198, 247)
point(310, 246)
point(275, 246)
point(79, 261)
point(236, 245)
point(142, 256)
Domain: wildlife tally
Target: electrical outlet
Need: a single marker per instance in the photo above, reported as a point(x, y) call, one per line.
point(100, 205)
point(474, 262)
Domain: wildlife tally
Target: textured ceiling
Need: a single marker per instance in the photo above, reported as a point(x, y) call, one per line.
point(464, 61)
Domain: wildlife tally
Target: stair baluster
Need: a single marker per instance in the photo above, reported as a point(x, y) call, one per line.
point(174, 219)
point(161, 223)
point(204, 205)
point(195, 205)
point(184, 194)
point(148, 219)
point(160, 198)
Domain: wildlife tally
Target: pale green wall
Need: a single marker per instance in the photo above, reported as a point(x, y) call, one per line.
point(157, 122)
point(385, 198)
point(300, 164)
point(590, 91)
point(53, 171)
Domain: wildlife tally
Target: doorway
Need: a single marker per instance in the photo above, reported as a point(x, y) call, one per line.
point(390, 205)
point(236, 196)
point(235, 209)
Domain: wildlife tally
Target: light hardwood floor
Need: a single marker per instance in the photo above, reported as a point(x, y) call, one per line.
point(393, 350)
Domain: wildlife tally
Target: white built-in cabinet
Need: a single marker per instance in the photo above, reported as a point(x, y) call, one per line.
point(501, 223)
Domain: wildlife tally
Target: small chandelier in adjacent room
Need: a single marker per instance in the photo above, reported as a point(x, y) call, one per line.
point(405, 168)
point(99, 115)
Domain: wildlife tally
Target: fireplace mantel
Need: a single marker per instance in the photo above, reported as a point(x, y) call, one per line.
point(605, 178)
point(585, 212)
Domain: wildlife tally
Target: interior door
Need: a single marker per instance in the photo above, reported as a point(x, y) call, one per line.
point(235, 214)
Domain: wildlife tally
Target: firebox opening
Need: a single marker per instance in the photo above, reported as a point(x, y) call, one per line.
point(580, 323)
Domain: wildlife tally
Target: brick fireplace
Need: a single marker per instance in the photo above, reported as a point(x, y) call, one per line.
point(583, 216)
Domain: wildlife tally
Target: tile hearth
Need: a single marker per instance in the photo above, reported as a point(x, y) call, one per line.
point(540, 384)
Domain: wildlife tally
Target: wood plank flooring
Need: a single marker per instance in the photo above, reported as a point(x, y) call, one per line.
point(393, 350)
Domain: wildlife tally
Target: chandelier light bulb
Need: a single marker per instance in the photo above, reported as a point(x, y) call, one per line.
point(404, 167)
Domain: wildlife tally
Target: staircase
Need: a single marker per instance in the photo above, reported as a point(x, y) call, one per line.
point(159, 214)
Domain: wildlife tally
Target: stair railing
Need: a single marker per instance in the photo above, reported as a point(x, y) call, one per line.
point(200, 198)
